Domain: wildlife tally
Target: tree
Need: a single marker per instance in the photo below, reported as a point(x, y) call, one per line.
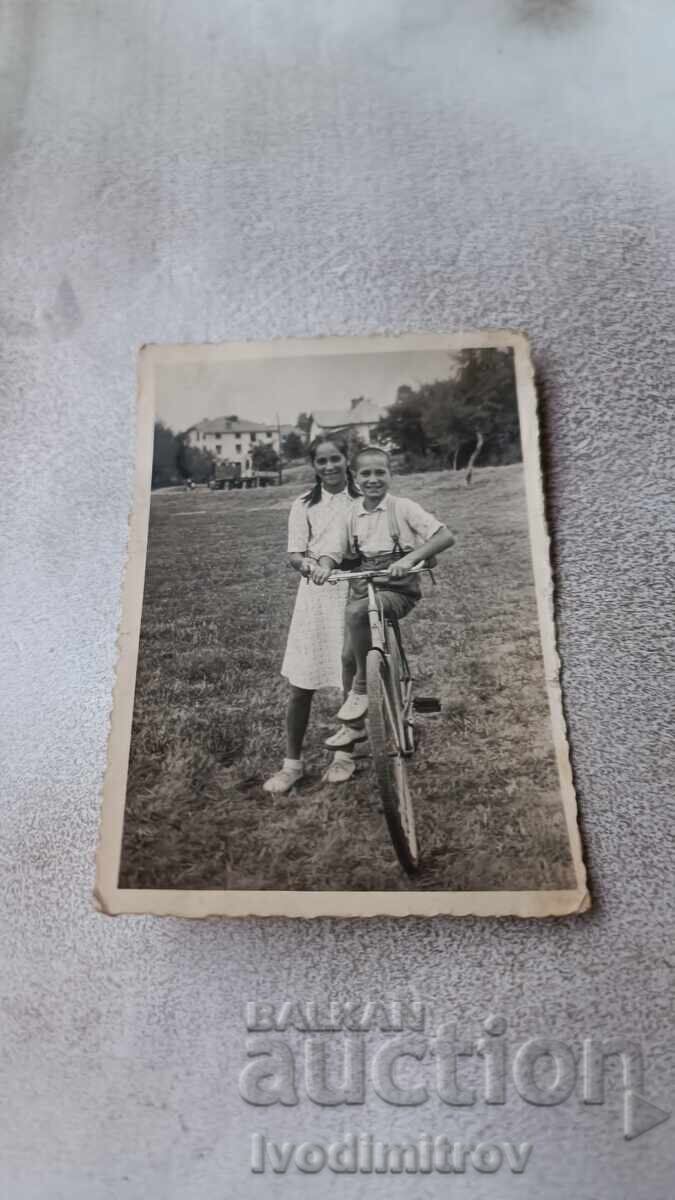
point(480, 440)
point(351, 436)
point(304, 424)
point(264, 458)
point(470, 415)
point(193, 463)
point(164, 453)
point(402, 426)
point(442, 421)
point(480, 412)
point(293, 445)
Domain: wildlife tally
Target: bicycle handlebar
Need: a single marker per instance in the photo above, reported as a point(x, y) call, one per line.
point(382, 572)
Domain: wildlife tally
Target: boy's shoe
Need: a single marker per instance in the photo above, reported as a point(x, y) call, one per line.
point(346, 737)
point(341, 769)
point(354, 708)
point(284, 780)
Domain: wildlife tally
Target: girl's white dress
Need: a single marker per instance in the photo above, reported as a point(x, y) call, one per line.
point(313, 657)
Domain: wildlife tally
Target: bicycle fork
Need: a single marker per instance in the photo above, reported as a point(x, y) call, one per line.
point(399, 716)
point(376, 623)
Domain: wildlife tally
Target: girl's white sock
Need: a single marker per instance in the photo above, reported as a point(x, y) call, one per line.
point(292, 764)
point(342, 756)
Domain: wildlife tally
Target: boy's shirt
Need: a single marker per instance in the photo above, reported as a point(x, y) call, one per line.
point(372, 528)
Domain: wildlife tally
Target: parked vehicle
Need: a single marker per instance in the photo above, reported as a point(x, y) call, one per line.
point(228, 475)
point(262, 479)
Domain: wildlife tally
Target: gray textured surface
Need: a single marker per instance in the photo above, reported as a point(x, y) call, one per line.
point(247, 170)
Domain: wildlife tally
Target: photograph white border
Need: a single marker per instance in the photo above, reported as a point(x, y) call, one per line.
point(113, 900)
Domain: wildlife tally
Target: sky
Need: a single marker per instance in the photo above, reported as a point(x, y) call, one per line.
point(260, 390)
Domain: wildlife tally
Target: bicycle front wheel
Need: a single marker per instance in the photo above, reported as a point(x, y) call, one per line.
point(390, 763)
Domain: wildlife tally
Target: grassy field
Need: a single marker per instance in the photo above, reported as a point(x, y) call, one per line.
point(209, 711)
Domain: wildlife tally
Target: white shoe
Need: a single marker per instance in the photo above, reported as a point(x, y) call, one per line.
point(345, 737)
point(354, 708)
point(284, 780)
point(340, 770)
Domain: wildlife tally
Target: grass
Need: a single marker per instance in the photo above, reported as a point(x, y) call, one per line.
point(209, 710)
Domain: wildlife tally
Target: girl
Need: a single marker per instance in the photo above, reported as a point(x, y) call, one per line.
point(383, 531)
point(313, 657)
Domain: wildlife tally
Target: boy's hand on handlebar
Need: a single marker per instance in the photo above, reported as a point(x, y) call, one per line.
point(321, 574)
point(402, 566)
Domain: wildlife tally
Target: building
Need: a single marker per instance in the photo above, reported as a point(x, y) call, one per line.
point(360, 418)
point(230, 440)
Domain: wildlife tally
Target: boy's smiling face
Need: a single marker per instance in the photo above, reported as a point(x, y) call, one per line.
point(373, 476)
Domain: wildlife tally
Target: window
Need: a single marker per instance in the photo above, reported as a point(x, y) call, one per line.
point(218, 447)
point(238, 447)
point(269, 433)
point(252, 437)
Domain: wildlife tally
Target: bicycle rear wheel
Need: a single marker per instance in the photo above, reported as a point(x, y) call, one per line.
point(390, 763)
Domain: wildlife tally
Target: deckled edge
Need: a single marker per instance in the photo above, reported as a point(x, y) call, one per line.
point(542, 568)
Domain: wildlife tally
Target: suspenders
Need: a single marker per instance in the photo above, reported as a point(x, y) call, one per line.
point(395, 535)
point(394, 530)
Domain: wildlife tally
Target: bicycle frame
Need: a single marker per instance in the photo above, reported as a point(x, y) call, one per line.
point(408, 744)
point(400, 709)
point(398, 704)
point(390, 724)
point(377, 631)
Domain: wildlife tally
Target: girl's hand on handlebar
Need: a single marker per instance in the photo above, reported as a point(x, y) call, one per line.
point(321, 574)
point(401, 566)
point(301, 564)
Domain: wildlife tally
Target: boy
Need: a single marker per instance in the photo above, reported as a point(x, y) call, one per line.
point(387, 531)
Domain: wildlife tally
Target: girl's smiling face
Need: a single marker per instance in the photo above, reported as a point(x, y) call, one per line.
point(330, 465)
point(373, 476)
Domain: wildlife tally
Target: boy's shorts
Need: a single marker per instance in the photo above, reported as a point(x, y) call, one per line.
point(395, 605)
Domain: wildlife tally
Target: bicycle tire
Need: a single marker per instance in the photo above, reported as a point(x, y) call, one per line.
point(390, 766)
point(394, 650)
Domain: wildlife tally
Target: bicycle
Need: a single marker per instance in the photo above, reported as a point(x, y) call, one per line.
point(391, 730)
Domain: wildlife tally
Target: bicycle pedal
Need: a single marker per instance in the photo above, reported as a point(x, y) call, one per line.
point(426, 704)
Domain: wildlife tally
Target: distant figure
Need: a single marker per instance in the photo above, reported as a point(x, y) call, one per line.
point(188, 486)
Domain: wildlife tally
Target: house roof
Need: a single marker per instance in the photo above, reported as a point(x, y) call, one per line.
point(231, 425)
point(364, 413)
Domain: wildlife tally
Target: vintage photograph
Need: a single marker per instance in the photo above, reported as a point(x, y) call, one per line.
point(338, 687)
